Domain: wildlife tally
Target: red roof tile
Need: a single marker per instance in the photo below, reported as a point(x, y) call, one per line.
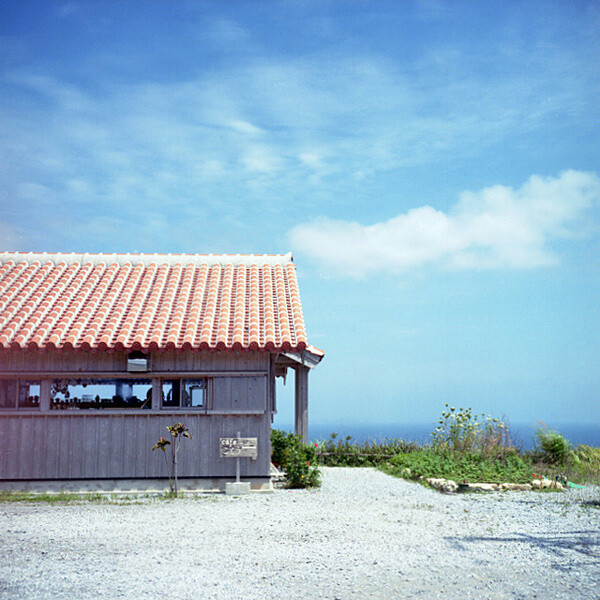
point(149, 301)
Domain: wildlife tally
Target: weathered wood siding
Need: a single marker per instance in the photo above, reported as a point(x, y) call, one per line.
point(90, 444)
point(82, 446)
point(116, 362)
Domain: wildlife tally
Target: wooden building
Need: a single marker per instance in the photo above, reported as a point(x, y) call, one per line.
point(100, 352)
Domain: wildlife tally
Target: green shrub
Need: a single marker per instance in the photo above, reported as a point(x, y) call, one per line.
point(296, 459)
point(279, 442)
point(553, 447)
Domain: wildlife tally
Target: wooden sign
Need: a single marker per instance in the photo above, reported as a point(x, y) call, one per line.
point(239, 447)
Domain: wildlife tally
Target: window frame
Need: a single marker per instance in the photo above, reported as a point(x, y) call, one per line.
point(16, 393)
point(47, 400)
point(182, 383)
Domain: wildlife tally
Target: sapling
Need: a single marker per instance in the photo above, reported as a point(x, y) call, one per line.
point(177, 431)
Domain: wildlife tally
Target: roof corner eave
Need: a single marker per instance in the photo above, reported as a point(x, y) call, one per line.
point(310, 357)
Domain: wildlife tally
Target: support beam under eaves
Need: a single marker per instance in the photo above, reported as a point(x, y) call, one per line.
point(301, 395)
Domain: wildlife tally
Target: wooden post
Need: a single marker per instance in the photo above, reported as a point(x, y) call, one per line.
point(237, 462)
point(45, 385)
point(301, 395)
point(156, 393)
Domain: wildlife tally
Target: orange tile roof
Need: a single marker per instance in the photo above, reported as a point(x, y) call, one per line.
point(149, 302)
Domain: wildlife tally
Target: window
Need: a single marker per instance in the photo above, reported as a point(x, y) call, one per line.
point(29, 394)
point(100, 393)
point(137, 362)
point(19, 394)
point(184, 393)
point(8, 393)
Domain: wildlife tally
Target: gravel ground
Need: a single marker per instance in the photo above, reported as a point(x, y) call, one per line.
point(362, 535)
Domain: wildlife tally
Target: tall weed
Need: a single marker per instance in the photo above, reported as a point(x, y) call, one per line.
point(461, 431)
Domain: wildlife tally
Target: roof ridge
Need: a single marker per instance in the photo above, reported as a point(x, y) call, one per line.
point(147, 258)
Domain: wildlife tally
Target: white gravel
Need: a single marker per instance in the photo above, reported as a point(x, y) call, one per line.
point(362, 535)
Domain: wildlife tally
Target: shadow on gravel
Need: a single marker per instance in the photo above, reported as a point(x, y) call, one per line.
point(592, 503)
point(561, 545)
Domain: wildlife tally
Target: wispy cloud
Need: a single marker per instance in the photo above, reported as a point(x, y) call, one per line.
point(283, 117)
point(245, 127)
point(67, 9)
point(260, 159)
point(276, 125)
point(10, 238)
point(497, 227)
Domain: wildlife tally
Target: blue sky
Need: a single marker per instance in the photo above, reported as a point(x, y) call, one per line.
point(434, 168)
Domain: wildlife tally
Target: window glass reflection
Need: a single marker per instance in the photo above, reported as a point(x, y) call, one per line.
point(101, 393)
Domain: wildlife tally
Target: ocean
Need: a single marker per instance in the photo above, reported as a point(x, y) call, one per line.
point(523, 434)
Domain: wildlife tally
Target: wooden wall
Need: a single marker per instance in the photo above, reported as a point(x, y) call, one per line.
point(90, 444)
point(116, 362)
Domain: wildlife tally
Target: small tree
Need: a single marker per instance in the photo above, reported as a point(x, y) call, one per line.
point(177, 431)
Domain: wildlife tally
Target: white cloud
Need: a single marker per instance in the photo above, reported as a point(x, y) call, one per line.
point(497, 227)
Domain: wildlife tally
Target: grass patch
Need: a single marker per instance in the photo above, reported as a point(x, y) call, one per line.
point(48, 498)
point(85, 498)
point(463, 467)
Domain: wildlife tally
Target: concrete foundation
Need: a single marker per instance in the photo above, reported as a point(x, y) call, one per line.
point(133, 486)
point(233, 488)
